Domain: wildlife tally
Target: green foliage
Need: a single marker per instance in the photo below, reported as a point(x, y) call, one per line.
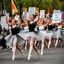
point(62, 6)
point(41, 4)
point(56, 4)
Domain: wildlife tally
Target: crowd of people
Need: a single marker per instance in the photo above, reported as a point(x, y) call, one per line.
point(32, 32)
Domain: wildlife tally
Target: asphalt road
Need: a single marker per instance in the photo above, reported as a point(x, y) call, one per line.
point(56, 56)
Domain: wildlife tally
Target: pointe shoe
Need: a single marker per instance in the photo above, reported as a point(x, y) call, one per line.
point(55, 45)
point(41, 53)
point(12, 50)
point(22, 53)
point(25, 48)
point(13, 58)
point(29, 57)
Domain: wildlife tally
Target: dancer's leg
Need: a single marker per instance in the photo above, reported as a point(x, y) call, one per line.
point(14, 48)
point(42, 46)
point(35, 48)
point(19, 48)
point(26, 44)
point(30, 49)
point(56, 42)
point(49, 43)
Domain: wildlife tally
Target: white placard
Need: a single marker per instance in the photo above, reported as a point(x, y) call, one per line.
point(56, 18)
point(42, 13)
point(32, 10)
point(57, 11)
point(3, 22)
point(27, 14)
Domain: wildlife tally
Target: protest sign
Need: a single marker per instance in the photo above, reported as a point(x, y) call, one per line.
point(42, 13)
point(56, 11)
point(32, 10)
point(3, 22)
point(56, 18)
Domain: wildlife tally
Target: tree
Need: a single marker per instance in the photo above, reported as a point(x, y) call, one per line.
point(56, 4)
point(62, 6)
point(41, 4)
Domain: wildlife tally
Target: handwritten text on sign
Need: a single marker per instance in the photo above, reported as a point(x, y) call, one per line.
point(56, 17)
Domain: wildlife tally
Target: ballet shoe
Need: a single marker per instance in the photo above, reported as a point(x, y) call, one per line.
point(13, 58)
point(22, 53)
point(55, 46)
point(41, 53)
point(38, 53)
point(25, 48)
point(29, 57)
point(12, 50)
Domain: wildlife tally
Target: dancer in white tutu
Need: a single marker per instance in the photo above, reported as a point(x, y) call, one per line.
point(31, 35)
point(42, 32)
point(62, 32)
point(24, 31)
point(49, 34)
point(58, 33)
point(14, 38)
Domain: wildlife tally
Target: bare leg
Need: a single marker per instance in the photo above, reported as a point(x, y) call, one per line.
point(19, 48)
point(61, 42)
point(52, 40)
point(26, 44)
point(35, 48)
point(46, 43)
point(35, 42)
point(56, 42)
point(14, 49)
point(42, 46)
point(49, 43)
point(30, 49)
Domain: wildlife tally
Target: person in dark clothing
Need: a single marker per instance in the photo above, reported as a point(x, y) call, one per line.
point(3, 43)
point(0, 29)
point(4, 32)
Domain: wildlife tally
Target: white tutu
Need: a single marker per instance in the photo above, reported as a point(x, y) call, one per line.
point(28, 35)
point(49, 34)
point(62, 32)
point(57, 34)
point(10, 38)
point(41, 34)
point(23, 31)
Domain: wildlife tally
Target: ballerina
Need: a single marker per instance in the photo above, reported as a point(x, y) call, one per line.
point(31, 35)
point(13, 38)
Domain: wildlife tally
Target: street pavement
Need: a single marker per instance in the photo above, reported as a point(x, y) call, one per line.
point(56, 56)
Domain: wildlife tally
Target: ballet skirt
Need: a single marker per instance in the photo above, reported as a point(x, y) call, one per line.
point(14, 34)
point(30, 32)
point(57, 33)
point(42, 32)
